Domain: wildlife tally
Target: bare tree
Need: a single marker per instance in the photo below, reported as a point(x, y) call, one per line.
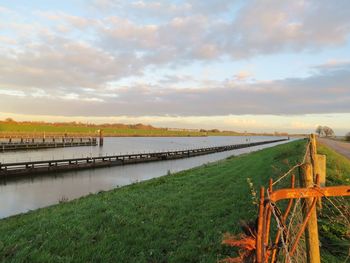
point(328, 131)
point(319, 130)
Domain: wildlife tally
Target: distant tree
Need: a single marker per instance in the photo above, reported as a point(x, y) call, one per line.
point(9, 120)
point(319, 130)
point(328, 131)
point(347, 137)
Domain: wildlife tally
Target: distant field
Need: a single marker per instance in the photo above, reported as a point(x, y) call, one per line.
point(38, 129)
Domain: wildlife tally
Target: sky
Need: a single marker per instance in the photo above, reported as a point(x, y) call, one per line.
point(258, 66)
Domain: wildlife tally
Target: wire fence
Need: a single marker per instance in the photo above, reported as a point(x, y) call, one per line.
point(291, 217)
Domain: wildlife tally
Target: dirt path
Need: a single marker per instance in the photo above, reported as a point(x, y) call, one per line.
point(340, 147)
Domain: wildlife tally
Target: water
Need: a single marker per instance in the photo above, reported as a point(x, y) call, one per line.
point(30, 193)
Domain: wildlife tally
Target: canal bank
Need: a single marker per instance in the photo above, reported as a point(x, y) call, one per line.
point(33, 192)
point(180, 217)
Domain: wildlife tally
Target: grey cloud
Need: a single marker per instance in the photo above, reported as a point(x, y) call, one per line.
point(120, 46)
point(322, 93)
point(66, 64)
point(332, 65)
point(163, 9)
point(260, 27)
point(272, 26)
point(174, 79)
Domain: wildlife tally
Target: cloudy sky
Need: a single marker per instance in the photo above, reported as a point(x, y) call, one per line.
point(238, 65)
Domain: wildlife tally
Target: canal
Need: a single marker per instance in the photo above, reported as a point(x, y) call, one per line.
point(22, 195)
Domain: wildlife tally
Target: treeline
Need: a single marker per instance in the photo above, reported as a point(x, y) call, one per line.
point(139, 126)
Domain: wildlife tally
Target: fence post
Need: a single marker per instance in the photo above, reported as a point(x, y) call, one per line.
point(313, 153)
point(311, 234)
point(320, 171)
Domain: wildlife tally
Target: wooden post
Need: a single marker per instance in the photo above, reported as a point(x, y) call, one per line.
point(311, 233)
point(313, 153)
point(101, 137)
point(320, 171)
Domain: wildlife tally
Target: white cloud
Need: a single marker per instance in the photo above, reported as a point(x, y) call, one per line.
point(243, 75)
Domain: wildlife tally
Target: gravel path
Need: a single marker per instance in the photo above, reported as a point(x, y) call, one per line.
point(340, 147)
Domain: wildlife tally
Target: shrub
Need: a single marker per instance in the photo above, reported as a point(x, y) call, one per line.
point(347, 137)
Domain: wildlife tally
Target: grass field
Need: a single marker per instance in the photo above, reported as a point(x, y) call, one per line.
point(176, 218)
point(38, 129)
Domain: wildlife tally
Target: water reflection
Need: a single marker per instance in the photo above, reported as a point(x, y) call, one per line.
point(35, 192)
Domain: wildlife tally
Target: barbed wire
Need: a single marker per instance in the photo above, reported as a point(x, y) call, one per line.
point(281, 227)
point(295, 166)
point(295, 217)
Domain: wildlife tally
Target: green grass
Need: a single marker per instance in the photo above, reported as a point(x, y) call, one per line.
point(175, 218)
point(333, 229)
point(28, 129)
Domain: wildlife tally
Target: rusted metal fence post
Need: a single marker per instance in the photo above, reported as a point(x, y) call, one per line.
point(259, 237)
point(311, 234)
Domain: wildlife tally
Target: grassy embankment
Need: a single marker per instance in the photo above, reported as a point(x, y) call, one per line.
point(37, 129)
point(333, 227)
point(175, 218)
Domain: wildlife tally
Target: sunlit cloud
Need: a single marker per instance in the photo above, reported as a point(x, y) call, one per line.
point(127, 58)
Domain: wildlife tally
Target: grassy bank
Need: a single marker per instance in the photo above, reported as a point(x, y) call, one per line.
point(175, 218)
point(333, 226)
point(38, 129)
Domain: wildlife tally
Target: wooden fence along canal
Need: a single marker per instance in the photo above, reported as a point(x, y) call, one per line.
point(9, 170)
point(44, 143)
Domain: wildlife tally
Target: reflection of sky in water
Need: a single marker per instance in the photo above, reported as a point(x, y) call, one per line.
point(32, 193)
point(127, 145)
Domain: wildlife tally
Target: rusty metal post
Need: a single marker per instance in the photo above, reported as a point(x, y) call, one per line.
point(259, 237)
point(312, 241)
point(268, 219)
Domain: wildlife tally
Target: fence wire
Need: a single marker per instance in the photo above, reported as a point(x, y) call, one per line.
point(333, 219)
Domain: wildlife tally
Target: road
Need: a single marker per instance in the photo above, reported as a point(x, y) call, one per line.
point(339, 146)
